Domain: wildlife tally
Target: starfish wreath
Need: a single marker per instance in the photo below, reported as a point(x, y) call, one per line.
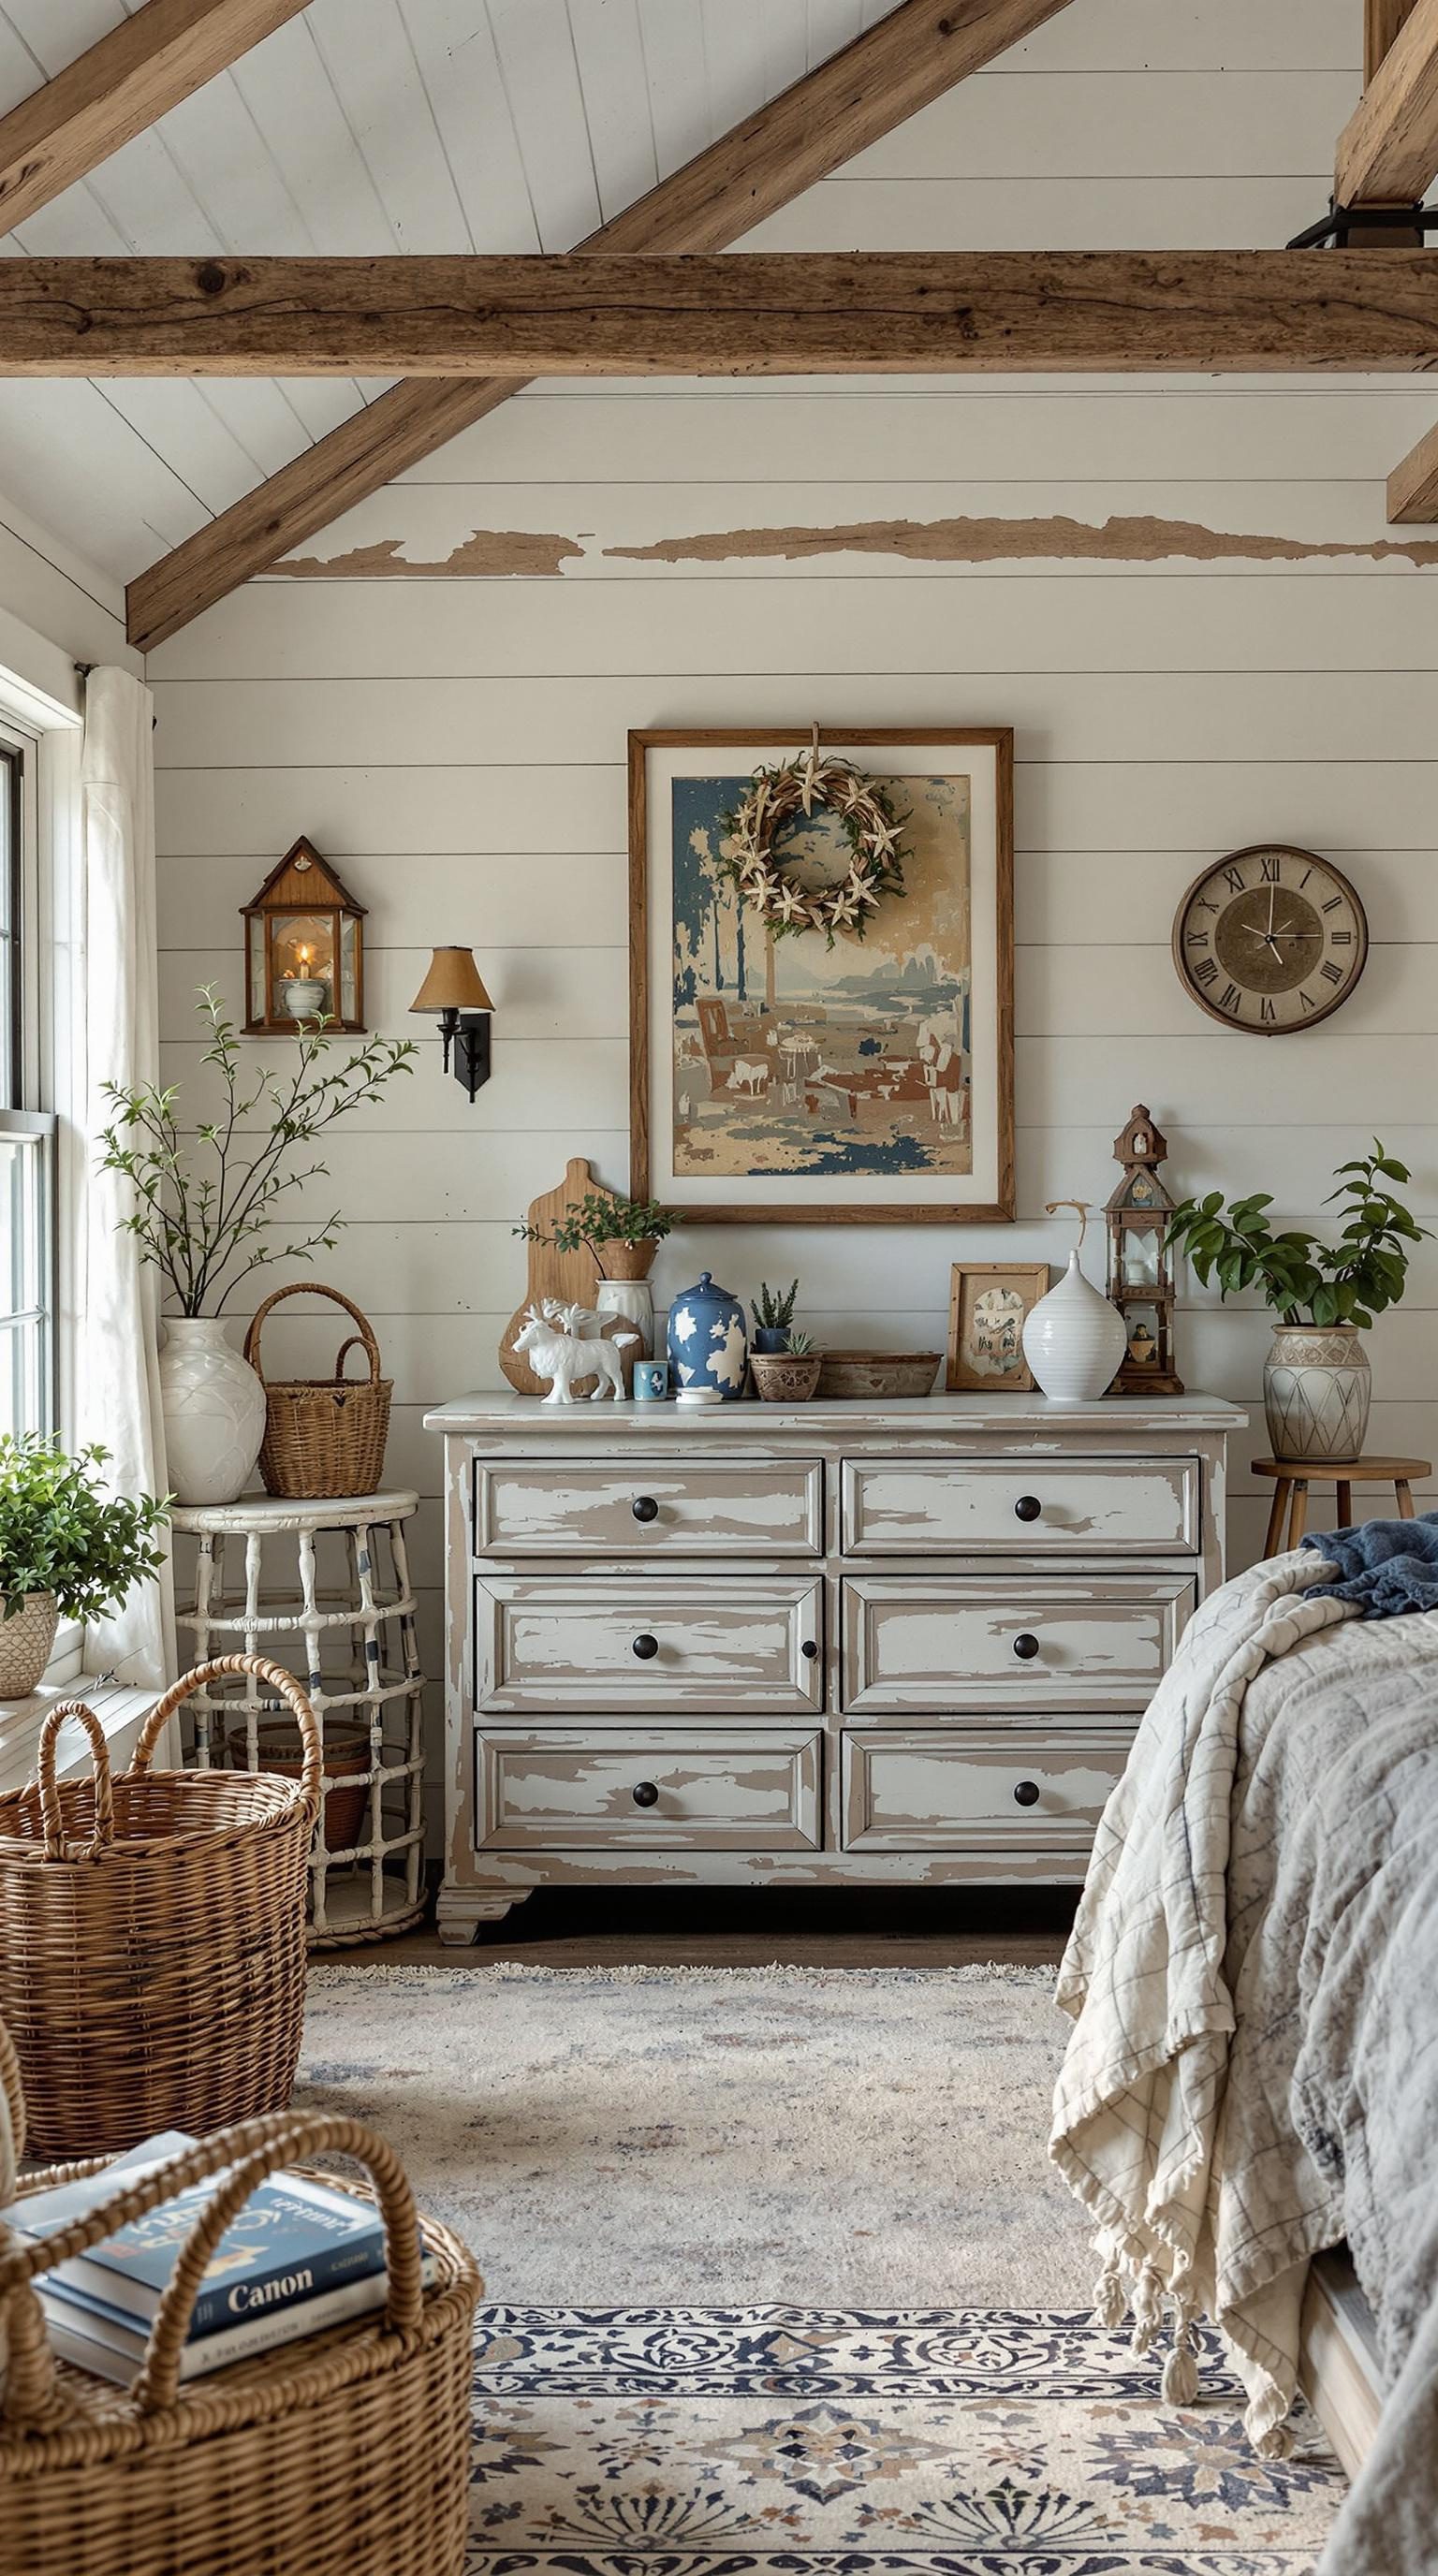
point(794, 790)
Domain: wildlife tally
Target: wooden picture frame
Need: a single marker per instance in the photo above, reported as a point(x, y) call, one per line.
point(968, 1281)
point(826, 1142)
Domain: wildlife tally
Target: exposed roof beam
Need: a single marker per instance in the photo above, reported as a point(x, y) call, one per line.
point(144, 67)
point(769, 313)
point(1382, 20)
point(1388, 150)
point(1413, 485)
point(911, 57)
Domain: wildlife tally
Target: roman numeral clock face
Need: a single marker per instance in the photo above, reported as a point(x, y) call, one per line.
point(1270, 940)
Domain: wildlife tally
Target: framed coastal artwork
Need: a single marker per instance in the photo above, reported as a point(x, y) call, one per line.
point(989, 1302)
point(821, 974)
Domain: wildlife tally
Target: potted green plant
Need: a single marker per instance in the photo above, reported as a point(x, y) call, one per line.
point(1316, 1382)
point(66, 1551)
point(210, 1202)
point(773, 1312)
point(623, 1235)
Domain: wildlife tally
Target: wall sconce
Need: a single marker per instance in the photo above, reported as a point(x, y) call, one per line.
point(454, 990)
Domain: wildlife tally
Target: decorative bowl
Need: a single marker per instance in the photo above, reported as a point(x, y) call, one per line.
point(877, 1374)
point(780, 1379)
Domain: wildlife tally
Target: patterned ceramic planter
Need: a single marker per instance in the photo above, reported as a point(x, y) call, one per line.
point(708, 1344)
point(26, 1644)
point(1317, 1391)
point(779, 1378)
point(214, 1409)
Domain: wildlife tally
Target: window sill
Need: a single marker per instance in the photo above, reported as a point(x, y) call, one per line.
point(120, 1709)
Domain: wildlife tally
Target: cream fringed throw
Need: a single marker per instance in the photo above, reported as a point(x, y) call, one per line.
point(1186, 2203)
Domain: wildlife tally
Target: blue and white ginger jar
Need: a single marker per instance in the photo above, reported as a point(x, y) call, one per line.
point(708, 1344)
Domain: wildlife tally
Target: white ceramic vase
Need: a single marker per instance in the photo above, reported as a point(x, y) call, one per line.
point(214, 1409)
point(1074, 1340)
point(634, 1300)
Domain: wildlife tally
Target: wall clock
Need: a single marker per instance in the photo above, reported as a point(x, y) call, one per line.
point(1271, 939)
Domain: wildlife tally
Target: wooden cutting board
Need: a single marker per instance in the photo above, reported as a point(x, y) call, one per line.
point(570, 1276)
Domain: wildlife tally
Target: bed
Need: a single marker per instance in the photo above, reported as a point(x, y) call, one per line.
point(1252, 2079)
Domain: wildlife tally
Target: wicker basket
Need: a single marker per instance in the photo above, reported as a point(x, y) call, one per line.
point(152, 1933)
point(346, 2454)
point(324, 1436)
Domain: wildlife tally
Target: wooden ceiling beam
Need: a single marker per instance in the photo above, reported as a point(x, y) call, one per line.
point(769, 313)
point(1383, 21)
point(1413, 485)
point(135, 74)
point(915, 54)
point(1388, 150)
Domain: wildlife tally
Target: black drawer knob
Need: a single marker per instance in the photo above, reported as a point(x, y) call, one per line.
point(809, 1648)
point(646, 1795)
point(1027, 1508)
point(1026, 1646)
point(1025, 1795)
point(644, 1647)
point(645, 1508)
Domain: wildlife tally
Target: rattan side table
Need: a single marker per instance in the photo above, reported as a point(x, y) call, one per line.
point(333, 1604)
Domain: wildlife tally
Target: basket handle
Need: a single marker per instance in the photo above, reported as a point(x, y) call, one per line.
point(56, 1847)
point(246, 2155)
point(275, 1678)
point(314, 1288)
point(12, 2118)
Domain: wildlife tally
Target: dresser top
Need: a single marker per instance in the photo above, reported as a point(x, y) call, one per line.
point(915, 1415)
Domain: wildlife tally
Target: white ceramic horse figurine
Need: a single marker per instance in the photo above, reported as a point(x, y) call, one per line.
point(552, 1339)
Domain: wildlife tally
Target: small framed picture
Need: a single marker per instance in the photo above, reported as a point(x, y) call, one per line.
point(988, 1301)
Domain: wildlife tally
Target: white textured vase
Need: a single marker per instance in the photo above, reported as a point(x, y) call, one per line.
point(214, 1409)
point(634, 1300)
point(1074, 1340)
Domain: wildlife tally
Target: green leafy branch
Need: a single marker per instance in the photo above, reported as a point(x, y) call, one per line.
point(1304, 1280)
point(59, 1533)
point(595, 1219)
point(202, 1203)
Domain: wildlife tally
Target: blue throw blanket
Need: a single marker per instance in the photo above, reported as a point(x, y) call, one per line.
point(1387, 1567)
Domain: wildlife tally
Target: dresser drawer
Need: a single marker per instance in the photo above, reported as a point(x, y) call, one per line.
point(915, 1642)
point(931, 1789)
point(648, 1641)
point(648, 1507)
point(892, 1506)
point(559, 1789)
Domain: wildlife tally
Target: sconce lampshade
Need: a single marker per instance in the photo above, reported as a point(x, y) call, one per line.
point(453, 983)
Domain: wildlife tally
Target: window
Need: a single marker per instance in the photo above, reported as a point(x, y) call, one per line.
point(27, 1133)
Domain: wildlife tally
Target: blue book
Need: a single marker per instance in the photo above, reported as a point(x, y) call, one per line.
point(295, 2240)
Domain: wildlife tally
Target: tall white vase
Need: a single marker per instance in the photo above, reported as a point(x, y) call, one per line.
point(214, 1409)
point(634, 1300)
point(1074, 1340)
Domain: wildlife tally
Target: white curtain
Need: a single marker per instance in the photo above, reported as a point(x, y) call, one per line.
point(119, 1391)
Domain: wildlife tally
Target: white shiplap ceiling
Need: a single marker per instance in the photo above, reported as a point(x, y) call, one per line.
point(518, 125)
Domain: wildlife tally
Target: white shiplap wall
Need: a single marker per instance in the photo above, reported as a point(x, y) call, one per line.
point(458, 745)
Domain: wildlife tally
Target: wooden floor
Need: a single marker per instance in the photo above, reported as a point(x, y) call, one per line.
point(919, 1928)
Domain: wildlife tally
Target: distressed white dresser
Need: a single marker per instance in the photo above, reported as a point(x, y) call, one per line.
point(806, 1645)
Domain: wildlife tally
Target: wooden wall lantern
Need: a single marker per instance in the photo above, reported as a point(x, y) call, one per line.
point(304, 949)
point(1140, 1281)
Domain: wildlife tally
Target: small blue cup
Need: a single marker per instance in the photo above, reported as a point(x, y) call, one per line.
point(651, 1381)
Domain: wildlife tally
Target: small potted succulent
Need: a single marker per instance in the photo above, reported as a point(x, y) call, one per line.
point(1316, 1383)
point(623, 1235)
point(773, 1314)
point(788, 1376)
point(65, 1550)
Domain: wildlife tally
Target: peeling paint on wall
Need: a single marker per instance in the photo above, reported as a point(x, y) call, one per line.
point(1119, 540)
point(486, 550)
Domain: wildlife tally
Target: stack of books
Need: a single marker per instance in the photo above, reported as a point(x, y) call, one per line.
point(300, 2257)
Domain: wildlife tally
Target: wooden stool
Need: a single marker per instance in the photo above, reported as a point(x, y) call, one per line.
point(1295, 1475)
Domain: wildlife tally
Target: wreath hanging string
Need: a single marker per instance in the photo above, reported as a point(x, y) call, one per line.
point(865, 810)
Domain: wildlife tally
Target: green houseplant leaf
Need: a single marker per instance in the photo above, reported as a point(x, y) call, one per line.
point(1302, 1279)
point(60, 1533)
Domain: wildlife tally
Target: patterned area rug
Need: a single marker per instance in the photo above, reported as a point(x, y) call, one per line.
point(781, 2281)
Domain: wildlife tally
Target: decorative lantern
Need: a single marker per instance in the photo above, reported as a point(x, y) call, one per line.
point(304, 949)
point(1140, 1282)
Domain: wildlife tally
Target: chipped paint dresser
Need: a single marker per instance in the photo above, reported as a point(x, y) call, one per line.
point(818, 1644)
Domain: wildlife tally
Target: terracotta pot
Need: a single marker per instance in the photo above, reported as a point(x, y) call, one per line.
point(346, 1757)
point(26, 1644)
point(1317, 1391)
point(626, 1260)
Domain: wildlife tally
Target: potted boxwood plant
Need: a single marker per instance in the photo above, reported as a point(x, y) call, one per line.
point(1316, 1383)
point(66, 1551)
point(623, 1235)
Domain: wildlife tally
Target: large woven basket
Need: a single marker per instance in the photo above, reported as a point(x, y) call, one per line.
point(324, 1436)
point(152, 1933)
point(342, 2455)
